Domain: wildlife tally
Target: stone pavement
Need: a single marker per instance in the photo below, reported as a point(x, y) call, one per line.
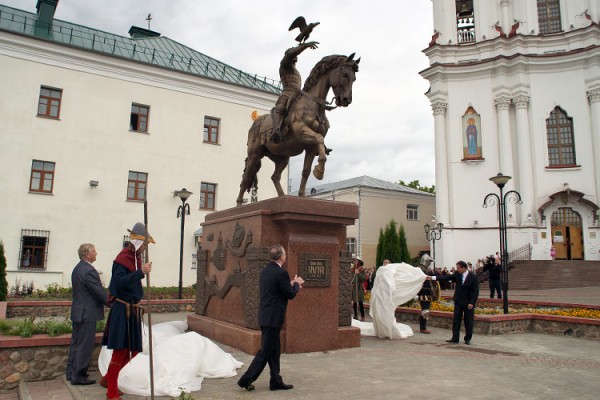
point(512, 366)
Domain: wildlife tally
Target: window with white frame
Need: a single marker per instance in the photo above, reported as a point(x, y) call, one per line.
point(412, 212)
point(351, 245)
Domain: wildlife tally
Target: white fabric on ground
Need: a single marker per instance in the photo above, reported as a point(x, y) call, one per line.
point(395, 284)
point(181, 361)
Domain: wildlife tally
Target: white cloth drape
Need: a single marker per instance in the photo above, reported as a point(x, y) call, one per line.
point(181, 361)
point(395, 284)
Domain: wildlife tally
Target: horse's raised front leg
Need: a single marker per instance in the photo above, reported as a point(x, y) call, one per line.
point(309, 156)
point(309, 136)
point(280, 163)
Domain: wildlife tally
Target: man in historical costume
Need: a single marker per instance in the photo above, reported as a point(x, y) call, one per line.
point(291, 82)
point(359, 276)
point(123, 333)
point(428, 292)
point(89, 299)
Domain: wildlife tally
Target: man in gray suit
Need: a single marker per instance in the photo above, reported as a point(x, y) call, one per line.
point(89, 299)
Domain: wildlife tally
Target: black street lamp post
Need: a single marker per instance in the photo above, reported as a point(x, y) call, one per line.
point(491, 198)
point(433, 234)
point(183, 209)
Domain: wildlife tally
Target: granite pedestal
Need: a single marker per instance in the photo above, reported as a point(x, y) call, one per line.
point(235, 249)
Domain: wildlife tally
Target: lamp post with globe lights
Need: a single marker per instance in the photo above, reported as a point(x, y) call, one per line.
point(183, 209)
point(491, 199)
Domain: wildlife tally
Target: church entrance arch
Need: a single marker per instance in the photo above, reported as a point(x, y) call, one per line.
point(567, 237)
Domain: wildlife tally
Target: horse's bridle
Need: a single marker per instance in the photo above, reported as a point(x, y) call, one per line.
point(320, 102)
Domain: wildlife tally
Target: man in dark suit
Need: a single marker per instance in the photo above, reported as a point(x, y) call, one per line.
point(89, 299)
point(275, 291)
point(466, 292)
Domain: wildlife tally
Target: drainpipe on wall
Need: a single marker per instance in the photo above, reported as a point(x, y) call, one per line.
point(358, 235)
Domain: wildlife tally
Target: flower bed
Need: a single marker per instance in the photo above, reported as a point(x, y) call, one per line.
point(489, 308)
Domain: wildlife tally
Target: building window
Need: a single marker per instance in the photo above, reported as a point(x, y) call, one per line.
point(561, 142)
point(49, 102)
point(412, 212)
point(549, 16)
point(34, 248)
point(208, 192)
point(465, 21)
point(211, 130)
point(42, 176)
point(136, 186)
point(139, 118)
point(351, 245)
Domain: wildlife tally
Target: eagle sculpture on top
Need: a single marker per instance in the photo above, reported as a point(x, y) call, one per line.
point(305, 29)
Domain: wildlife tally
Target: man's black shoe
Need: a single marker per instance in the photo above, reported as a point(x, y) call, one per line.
point(246, 384)
point(467, 342)
point(84, 381)
point(451, 341)
point(281, 386)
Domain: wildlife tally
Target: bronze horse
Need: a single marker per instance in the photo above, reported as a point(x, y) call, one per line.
point(304, 126)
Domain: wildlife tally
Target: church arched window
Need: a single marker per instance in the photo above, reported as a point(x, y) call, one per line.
point(561, 141)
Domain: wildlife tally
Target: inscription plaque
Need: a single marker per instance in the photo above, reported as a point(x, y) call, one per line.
point(315, 269)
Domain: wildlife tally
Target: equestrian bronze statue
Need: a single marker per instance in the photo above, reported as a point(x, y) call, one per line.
point(304, 124)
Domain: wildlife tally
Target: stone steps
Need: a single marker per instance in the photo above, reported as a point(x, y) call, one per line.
point(546, 274)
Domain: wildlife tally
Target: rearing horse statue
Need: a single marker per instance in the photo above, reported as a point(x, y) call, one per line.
point(304, 127)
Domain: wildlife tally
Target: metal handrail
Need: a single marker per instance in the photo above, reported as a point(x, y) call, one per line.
point(521, 254)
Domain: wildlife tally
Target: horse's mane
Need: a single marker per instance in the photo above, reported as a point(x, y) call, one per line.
point(321, 68)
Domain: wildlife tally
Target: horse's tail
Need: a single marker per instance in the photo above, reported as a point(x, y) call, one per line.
point(252, 163)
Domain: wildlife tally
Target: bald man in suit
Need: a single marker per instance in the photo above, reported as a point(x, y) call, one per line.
point(276, 290)
point(466, 292)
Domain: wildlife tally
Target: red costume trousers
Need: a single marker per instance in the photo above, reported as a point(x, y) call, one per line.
point(117, 362)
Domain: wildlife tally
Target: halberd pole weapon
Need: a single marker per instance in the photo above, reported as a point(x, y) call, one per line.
point(148, 298)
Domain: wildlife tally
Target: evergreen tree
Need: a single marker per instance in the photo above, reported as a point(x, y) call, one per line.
point(404, 253)
point(3, 281)
point(379, 255)
point(393, 243)
point(388, 245)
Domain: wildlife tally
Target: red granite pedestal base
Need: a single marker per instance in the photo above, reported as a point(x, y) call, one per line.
point(235, 249)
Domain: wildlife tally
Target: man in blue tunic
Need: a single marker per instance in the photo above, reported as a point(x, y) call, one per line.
point(123, 334)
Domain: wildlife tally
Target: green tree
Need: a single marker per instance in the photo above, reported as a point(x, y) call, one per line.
point(415, 184)
point(3, 281)
point(379, 256)
point(388, 245)
point(404, 253)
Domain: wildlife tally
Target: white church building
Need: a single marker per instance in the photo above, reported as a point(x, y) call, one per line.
point(515, 89)
point(92, 123)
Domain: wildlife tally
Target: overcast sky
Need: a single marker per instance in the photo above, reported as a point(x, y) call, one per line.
point(386, 133)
